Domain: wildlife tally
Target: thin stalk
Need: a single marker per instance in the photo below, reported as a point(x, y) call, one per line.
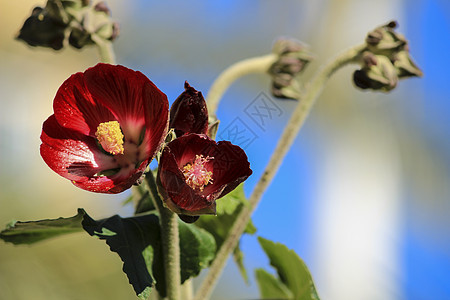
point(105, 49)
point(290, 132)
point(170, 241)
point(258, 64)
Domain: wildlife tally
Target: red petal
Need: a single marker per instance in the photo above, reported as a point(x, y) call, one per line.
point(76, 157)
point(156, 110)
point(133, 99)
point(114, 184)
point(179, 196)
point(75, 108)
point(230, 168)
point(229, 165)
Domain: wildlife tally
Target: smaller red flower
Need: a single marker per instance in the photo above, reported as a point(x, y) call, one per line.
point(195, 170)
point(189, 113)
point(108, 124)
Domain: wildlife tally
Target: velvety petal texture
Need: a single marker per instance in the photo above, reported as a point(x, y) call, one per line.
point(223, 164)
point(101, 95)
point(189, 113)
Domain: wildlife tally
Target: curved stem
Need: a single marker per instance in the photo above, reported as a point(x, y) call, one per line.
point(105, 49)
point(290, 132)
point(258, 64)
point(170, 241)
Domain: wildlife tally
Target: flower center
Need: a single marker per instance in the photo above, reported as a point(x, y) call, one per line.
point(196, 175)
point(110, 137)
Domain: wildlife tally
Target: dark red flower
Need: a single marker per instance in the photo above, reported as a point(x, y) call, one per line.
point(189, 113)
point(108, 124)
point(194, 171)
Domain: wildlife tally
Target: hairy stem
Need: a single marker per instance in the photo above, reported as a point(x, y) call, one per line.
point(290, 132)
point(105, 49)
point(170, 241)
point(258, 64)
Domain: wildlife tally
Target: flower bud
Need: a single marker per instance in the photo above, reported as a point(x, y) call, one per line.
point(293, 57)
point(385, 41)
point(101, 6)
point(386, 60)
point(189, 113)
point(46, 27)
point(405, 66)
point(377, 73)
point(92, 20)
point(285, 86)
point(40, 29)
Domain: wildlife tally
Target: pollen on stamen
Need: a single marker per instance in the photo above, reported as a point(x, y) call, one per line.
point(196, 174)
point(110, 136)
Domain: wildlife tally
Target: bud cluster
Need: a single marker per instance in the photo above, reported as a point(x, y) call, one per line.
point(72, 21)
point(292, 59)
point(385, 61)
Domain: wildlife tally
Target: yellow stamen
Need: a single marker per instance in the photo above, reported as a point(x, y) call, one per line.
point(196, 174)
point(110, 137)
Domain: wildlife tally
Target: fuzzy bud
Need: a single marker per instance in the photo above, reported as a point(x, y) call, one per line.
point(41, 29)
point(384, 40)
point(293, 57)
point(47, 27)
point(377, 73)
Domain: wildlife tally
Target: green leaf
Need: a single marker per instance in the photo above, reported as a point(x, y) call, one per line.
point(291, 270)
point(34, 231)
point(137, 240)
point(271, 287)
point(197, 250)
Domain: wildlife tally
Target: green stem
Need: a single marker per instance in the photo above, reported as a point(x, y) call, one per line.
point(170, 241)
point(258, 64)
point(105, 49)
point(290, 132)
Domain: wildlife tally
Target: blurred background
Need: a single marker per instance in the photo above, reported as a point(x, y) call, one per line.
point(363, 196)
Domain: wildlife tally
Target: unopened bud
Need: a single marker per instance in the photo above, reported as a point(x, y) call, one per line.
point(377, 73)
point(189, 113)
point(41, 29)
point(293, 57)
point(92, 20)
point(405, 66)
point(385, 41)
point(47, 26)
point(101, 6)
point(286, 87)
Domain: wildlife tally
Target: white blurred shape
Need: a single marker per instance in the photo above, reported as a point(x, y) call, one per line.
point(358, 215)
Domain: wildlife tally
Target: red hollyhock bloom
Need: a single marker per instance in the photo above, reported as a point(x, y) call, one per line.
point(189, 113)
point(194, 171)
point(107, 125)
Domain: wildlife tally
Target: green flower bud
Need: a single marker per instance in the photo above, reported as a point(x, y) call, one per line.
point(385, 41)
point(405, 66)
point(47, 27)
point(377, 73)
point(293, 57)
point(92, 20)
